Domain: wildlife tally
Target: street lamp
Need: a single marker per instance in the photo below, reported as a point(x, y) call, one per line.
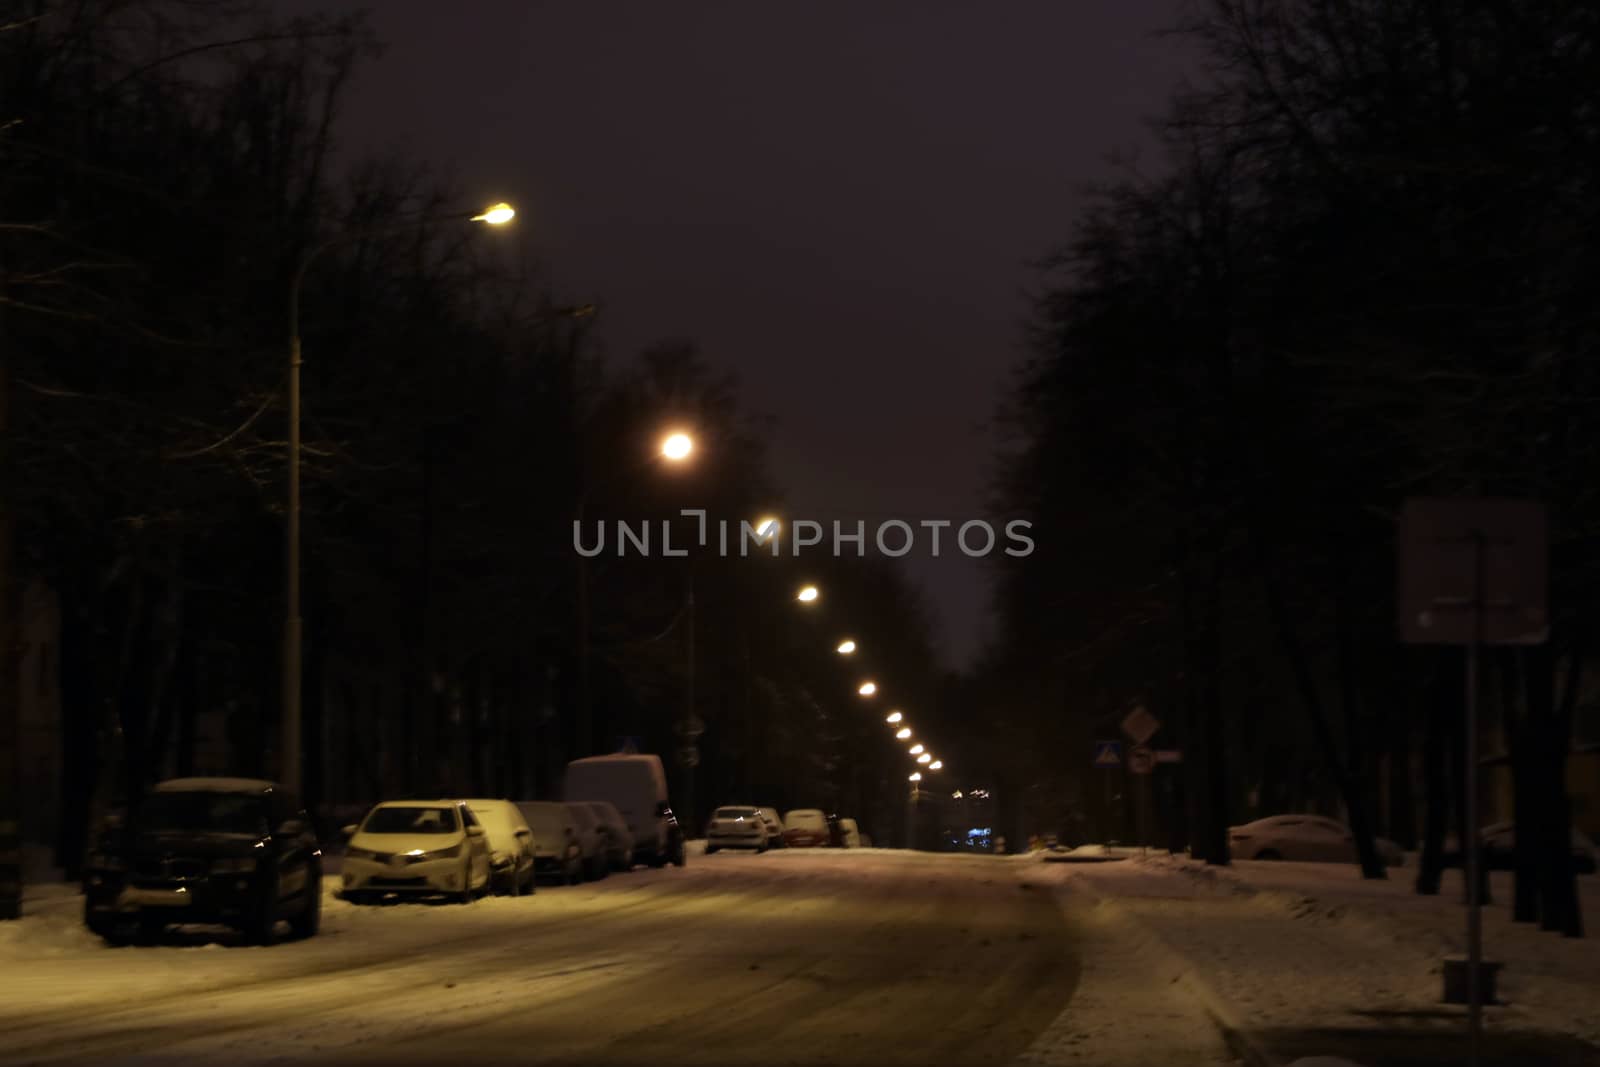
point(868, 688)
point(916, 776)
point(903, 733)
point(675, 449)
point(676, 446)
point(289, 761)
point(766, 529)
point(894, 716)
point(925, 758)
point(846, 647)
point(916, 749)
point(936, 765)
point(807, 595)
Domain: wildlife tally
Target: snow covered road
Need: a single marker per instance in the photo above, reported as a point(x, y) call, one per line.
point(796, 956)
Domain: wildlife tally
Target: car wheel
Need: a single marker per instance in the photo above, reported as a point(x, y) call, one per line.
point(1269, 854)
point(712, 849)
point(309, 921)
point(513, 882)
point(680, 855)
point(530, 885)
point(464, 896)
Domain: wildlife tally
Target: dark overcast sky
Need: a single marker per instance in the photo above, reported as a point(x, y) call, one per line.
point(835, 200)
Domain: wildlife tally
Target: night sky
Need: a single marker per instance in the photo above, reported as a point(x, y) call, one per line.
point(838, 202)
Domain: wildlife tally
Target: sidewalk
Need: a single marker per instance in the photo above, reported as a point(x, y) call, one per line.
point(1307, 959)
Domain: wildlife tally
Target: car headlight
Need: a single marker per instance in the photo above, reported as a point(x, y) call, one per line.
point(360, 854)
point(438, 854)
point(241, 865)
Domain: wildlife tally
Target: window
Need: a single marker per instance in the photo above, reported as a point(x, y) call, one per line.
point(410, 820)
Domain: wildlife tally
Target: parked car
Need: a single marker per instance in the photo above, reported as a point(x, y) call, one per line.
point(1497, 849)
point(1307, 838)
point(835, 831)
point(805, 828)
point(852, 833)
point(235, 851)
point(736, 826)
point(636, 784)
point(417, 848)
point(774, 827)
point(619, 839)
point(592, 841)
point(510, 845)
point(557, 853)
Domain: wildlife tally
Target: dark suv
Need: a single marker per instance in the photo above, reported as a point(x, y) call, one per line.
point(235, 851)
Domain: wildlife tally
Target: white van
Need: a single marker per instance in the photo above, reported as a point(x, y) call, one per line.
point(636, 785)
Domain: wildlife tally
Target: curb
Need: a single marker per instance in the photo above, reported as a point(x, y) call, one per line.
point(1235, 1035)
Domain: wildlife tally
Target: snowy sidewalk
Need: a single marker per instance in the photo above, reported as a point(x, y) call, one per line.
point(1307, 959)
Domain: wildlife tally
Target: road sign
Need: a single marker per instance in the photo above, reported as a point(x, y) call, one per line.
point(1141, 759)
point(1108, 753)
point(1458, 554)
point(1169, 755)
point(1140, 724)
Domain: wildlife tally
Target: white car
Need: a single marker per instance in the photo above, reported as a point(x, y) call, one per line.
point(774, 827)
point(557, 853)
point(852, 833)
point(1306, 838)
point(592, 840)
point(510, 845)
point(619, 839)
point(417, 848)
point(736, 826)
point(636, 784)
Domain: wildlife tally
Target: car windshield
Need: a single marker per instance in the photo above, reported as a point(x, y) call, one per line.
point(411, 820)
point(737, 813)
point(497, 823)
point(203, 812)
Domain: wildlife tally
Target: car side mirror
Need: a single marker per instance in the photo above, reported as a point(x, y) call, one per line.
point(524, 832)
point(663, 809)
point(475, 831)
point(349, 830)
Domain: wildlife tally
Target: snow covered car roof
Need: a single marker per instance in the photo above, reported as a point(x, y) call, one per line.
point(215, 785)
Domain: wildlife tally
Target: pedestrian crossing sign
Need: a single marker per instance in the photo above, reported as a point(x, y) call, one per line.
point(1108, 753)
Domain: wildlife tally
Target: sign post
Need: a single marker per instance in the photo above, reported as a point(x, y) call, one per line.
point(1142, 762)
point(1473, 571)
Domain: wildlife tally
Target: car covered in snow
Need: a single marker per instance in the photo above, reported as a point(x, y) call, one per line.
point(619, 839)
point(592, 840)
point(806, 828)
point(850, 832)
point(774, 827)
point(1498, 849)
point(557, 852)
point(636, 784)
point(417, 848)
point(1303, 838)
point(234, 851)
point(510, 845)
point(736, 826)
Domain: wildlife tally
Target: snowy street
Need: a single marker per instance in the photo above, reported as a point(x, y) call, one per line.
point(797, 956)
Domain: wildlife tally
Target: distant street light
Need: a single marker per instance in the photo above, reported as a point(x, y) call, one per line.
point(894, 716)
point(677, 446)
point(807, 595)
point(496, 215)
point(903, 733)
point(924, 758)
point(868, 688)
point(937, 765)
point(767, 528)
point(916, 776)
point(956, 795)
point(293, 625)
point(846, 647)
point(916, 749)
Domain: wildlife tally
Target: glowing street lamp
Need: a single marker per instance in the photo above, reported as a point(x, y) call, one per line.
point(916, 776)
point(496, 214)
point(807, 595)
point(868, 688)
point(846, 647)
point(916, 749)
point(924, 758)
point(894, 716)
point(766, 529)
point(676, 446)
point(936, 765)
point(903, 733)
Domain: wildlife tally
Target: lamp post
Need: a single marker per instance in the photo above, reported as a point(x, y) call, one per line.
point(289, 757)
point(675, 448)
